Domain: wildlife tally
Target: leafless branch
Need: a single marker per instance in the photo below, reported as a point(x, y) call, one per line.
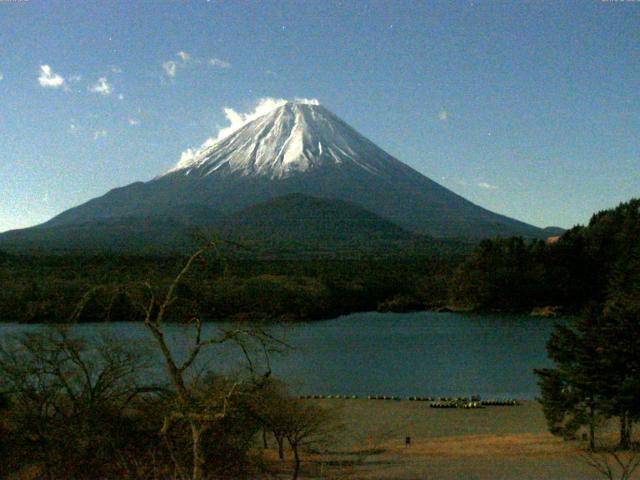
point(605, 462)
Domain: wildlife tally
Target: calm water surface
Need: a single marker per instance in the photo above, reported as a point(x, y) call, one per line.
point(424, 353)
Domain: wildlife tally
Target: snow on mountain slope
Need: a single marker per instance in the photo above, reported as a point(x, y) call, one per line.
point(295, 137)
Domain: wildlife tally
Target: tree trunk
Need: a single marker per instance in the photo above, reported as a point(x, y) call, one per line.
point(280, 440)
point(198, 458)
point(625, 438)
point(296, 465)
point(264, 438)
point(592, 429)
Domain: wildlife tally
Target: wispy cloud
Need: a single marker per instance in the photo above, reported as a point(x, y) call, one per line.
point(442, 116)
point(102, 86)
point(75, 78)
point(185, 60)
point(487, 186)
point(120, 96)
point(216, 62)
point(116, 69)
point(134, 121)
point(1, 76)
point(170, 68)
point(99, 134)
point(49, 79)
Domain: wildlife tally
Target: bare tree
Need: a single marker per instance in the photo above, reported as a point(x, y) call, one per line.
point(195, 406)
point(68, 400)
point(613, 465)
point(267, 407)
point(308, 426)
point(192, 410)
point(301, 423)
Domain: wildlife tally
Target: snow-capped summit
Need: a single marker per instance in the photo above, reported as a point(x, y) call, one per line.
point(297, 136)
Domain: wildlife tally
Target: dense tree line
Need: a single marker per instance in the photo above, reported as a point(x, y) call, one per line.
point(47, 289)
point(514, 274)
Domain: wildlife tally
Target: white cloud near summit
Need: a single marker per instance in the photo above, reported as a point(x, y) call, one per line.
point(237, 120)
point(264, 105)
point(49, 79)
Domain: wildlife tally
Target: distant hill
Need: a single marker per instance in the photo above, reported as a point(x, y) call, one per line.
point(299, 221)
point(293, 224)
point(145, 235)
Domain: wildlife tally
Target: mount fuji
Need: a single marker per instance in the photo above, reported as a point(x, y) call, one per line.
point(300, 147)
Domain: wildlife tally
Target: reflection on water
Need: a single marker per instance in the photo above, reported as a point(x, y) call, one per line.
point(424, 353)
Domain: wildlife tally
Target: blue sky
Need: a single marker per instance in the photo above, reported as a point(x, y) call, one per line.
point(530, 109)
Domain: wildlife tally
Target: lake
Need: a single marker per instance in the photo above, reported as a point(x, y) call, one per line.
point(422, 353)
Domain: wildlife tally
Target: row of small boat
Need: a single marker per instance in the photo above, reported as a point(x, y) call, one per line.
point(456, 404)
point(328, 397)
point(442, 402)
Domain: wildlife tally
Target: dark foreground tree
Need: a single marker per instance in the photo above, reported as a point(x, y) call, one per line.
point(72, 405)
point(597, 373)
point(571, 393)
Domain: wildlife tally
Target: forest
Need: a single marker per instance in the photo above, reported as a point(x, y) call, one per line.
point(47, 289)
point(499, 275)
point(571, 273)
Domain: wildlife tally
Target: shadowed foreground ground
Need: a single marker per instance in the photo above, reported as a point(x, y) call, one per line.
point(491, 443)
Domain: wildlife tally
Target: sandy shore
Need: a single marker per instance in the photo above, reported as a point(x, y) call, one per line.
point(510, 443)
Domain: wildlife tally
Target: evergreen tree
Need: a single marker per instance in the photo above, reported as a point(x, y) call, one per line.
point(597, 373)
